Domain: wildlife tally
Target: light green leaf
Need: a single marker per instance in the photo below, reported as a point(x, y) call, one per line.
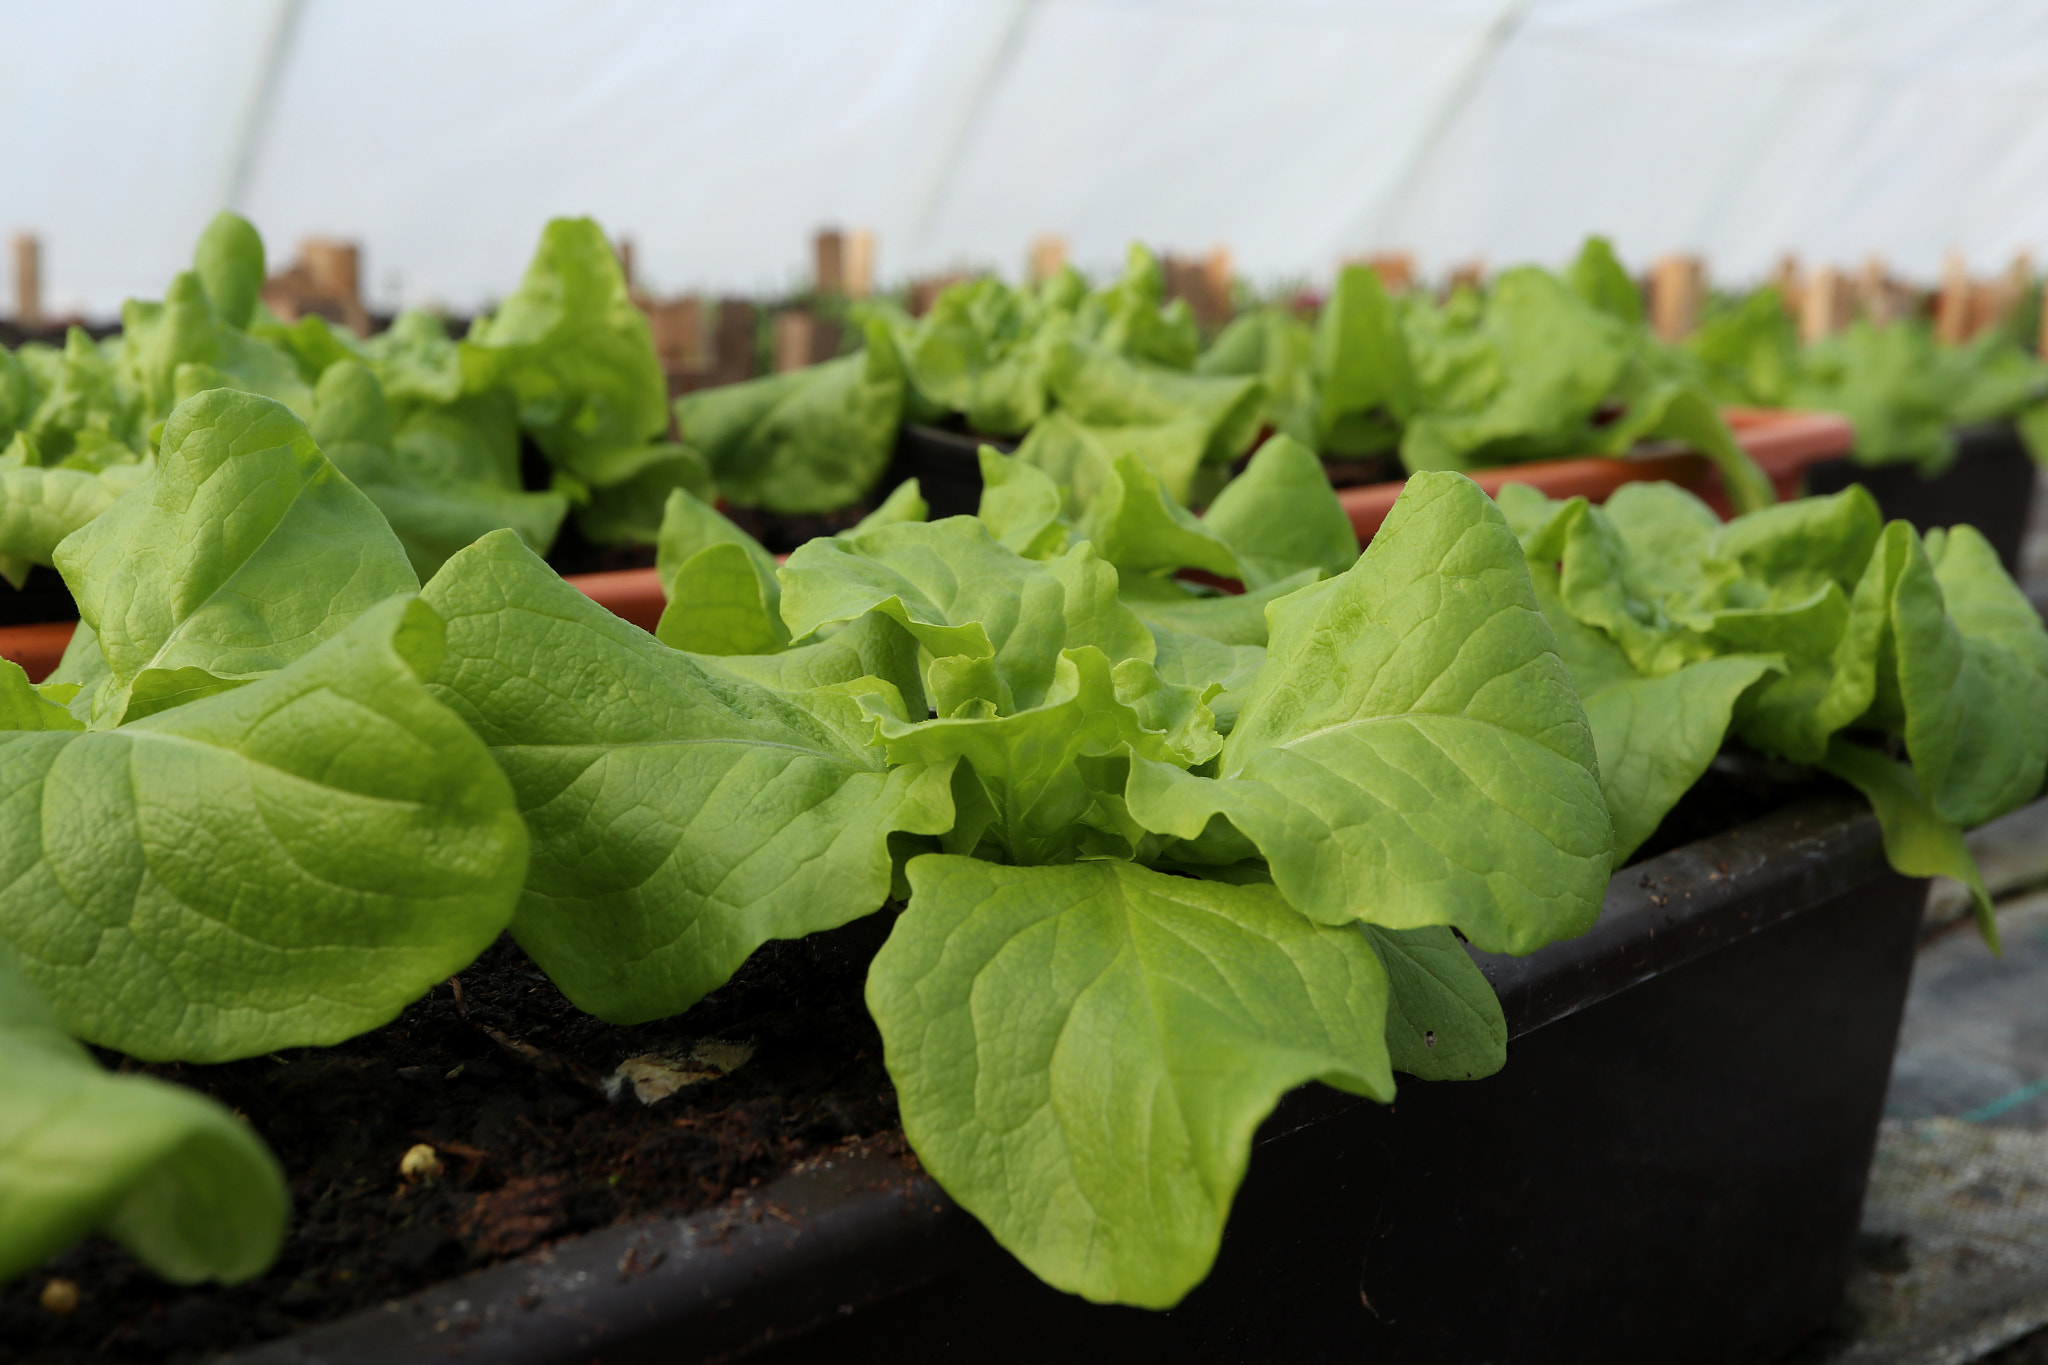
point(904, 503)
point(23, 707)
point(809, 440)
point(681, 816)
point(963, 594)
point(1654, 736)
point(1366, 382)
point(1413, 752)
point(1443, 1020)
point(575, 351)
point(229, 263)
point(243, 551)
point(874, 646)
point(331, 831)
point(1082, 1054)
point(1917, 841)
point(1227, 618)
point(39, 507)
point(1973, 677)
point(1281, 516)
point(1028, 761)
point(1137, 527)
point(167, 1173)
point(719, 604)
point(1020, 505)
point(723, 595)
point(627, 490)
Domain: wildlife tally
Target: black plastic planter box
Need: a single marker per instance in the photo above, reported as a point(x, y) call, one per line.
point(1669, 1169)
point(944, 464)
point(1990, 486)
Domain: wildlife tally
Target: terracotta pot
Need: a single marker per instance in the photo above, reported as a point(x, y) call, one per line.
point(634, 594)
point(1783, 444)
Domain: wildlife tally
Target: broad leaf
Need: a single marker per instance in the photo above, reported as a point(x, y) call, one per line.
point(242, 552)
point(575, 351)
point(331, 831)
point(167, 1173)
point(1444, 1022)
point(1082, 1054)
point(1281, 516)
point(1413, 752)
point(681, 816)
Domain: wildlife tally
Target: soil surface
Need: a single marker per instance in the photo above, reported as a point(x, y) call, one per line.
point(506, 1080)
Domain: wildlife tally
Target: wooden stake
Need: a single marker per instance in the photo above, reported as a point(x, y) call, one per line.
point(1789, 281)
point(1825, 305)
point(1952, 305)
point(1470, 275)
point(1216, 279)
point(859, 260)
point(28, 280)
point(1048, 257)
point(1874, 299)
point(1396, 269)
point(795, 336)
point(829, 248)
point(677, 326)
point(1677, 288)
point(625, 250)
point(734, 359)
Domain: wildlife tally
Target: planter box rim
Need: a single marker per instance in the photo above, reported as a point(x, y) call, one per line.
point(859, 1225)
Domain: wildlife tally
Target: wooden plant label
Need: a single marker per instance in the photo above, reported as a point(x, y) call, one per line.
point(1677, 289)
point(28, 280)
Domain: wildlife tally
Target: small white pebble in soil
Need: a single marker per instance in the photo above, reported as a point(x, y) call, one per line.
point(60, 1297)
point(420, 1162)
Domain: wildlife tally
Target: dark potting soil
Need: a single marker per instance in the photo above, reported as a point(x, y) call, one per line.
point(506, 1080)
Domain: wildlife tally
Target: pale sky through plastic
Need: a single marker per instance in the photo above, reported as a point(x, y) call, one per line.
point(720, 133)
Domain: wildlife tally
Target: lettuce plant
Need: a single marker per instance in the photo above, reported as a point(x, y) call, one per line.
point(1539, 366)
point(1904, 392)
point(1813, 632)
point(427, 427)
point(1084, 376)
point(1133, 826)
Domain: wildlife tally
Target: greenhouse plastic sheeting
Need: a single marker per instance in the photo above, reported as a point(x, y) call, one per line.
point(720, 133)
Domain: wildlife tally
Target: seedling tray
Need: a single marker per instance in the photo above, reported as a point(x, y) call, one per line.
point(1990, 486)
point(1785, 444)
point(1670, 1168)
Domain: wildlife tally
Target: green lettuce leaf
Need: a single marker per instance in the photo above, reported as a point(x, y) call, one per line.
point(809, 440)
point(444, 481)
point(243, 551)
point(576, 353)
point(169, 1174)
point(1444, 1022)
point(1281, 516)
point(1413, 752)
point(681, 816)
point(1082, 1054)
point(993, 621)
point(1366, 384)
point(331, 831)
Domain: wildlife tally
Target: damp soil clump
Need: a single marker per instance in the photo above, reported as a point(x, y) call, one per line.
point(537, 1130)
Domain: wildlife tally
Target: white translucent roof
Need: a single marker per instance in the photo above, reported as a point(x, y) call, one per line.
point(720, 133)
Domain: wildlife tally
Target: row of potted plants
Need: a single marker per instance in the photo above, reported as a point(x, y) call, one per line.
point(279, 788)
